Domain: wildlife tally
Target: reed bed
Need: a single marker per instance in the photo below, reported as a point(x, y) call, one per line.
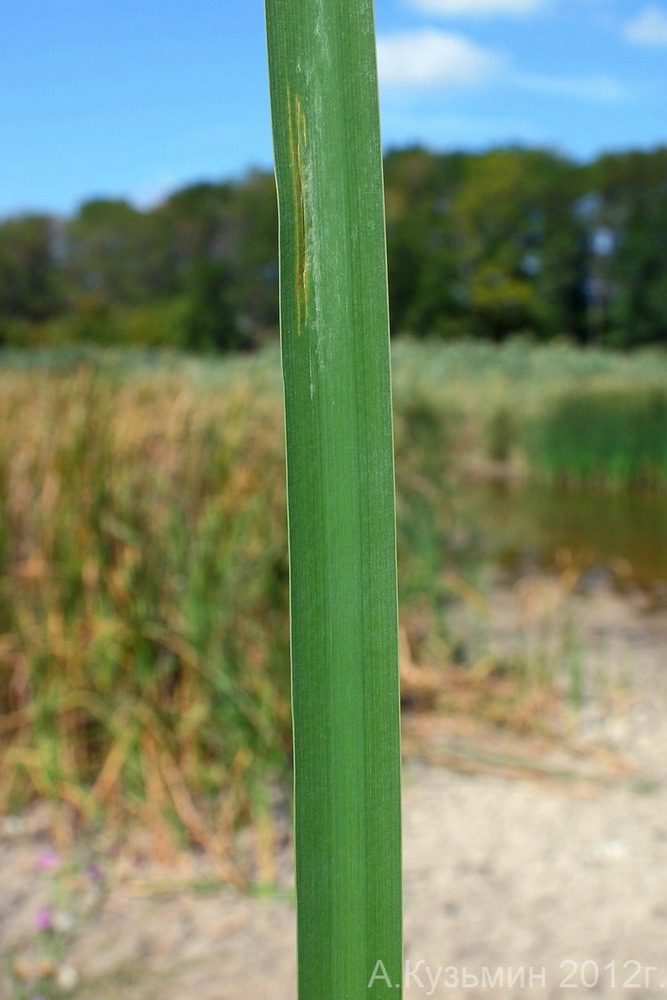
point(143, 600)
point(554, 412)
point(143, 592)
point(608, 434)
point(143, 563)
point(143, 588)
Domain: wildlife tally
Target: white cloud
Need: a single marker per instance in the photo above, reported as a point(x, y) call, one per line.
point(649, 27)
point(478, 8)
point(432, 58)
point(597, 88)
point(437, 60)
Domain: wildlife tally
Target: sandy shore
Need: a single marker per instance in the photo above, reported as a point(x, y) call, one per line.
point(532, 865)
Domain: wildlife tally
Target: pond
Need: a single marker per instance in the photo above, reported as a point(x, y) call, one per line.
point(625, 532)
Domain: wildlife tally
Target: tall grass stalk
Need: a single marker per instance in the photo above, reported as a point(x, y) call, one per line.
point(335, 351)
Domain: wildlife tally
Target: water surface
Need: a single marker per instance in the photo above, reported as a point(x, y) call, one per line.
point(624, 531)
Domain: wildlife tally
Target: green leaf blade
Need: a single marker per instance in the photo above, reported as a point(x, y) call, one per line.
point(335, 348)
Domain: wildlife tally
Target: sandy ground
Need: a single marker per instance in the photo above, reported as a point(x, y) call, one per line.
point(533, 866)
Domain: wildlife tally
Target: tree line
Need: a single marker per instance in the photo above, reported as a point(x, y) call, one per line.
point(505, 242)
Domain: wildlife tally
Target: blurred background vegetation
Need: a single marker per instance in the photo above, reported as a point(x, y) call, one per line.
point(483, 245)
point(144, 670)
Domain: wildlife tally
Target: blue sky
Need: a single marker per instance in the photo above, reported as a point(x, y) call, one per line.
point(133, 98)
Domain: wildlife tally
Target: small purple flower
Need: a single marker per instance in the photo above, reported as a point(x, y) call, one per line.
point(47, 861)
point(44, 920)
point(40, 997)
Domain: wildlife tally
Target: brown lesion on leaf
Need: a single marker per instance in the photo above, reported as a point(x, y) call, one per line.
point(297, 142)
